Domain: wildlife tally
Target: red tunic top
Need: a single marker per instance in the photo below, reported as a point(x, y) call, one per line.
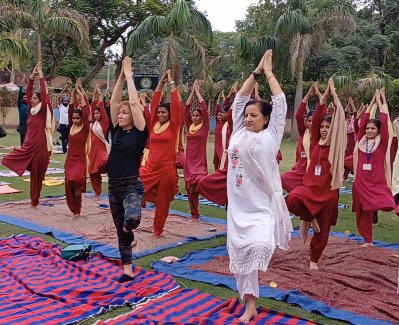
point(161, 160)
point(293, 178)
point(214, 186)
point(195, 166)
point(180, 158)
point(147, 117)
point(370, 189)
point(98, 155)
point(316, 193)
point(218, 149)
point(34, 149)
point(76, 162)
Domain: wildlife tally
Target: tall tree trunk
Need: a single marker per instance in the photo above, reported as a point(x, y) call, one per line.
point(12, 75)
point(298, 99)
point(39, 47)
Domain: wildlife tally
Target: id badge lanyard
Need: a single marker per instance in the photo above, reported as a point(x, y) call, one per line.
point(367, 165)
point(317, 168)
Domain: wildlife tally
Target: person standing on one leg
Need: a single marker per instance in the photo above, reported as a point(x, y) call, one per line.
point(125, 188)
point(257, 217)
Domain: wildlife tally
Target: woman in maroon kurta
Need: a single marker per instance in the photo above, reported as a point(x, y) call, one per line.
point(293, 178)
point(220, 118)
point(316, 198)
point(34, 155)
point(99, 147)
point(213, 187)
point(195, 166)
point(76, 162)
point(159, 173)
point(370, 189)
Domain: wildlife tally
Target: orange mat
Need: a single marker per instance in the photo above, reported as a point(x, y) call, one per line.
point(5, 189)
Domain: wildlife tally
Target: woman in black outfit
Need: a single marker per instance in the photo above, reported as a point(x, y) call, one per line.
point(125, 188)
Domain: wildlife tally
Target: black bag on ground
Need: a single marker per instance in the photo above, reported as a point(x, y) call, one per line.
point(3, 132)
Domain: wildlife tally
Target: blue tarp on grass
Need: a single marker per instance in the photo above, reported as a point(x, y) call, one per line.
point(182, 269)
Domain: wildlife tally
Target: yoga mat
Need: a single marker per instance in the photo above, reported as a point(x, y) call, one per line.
point(5, 189)
point(39, 287)
point(188, 306)
point(9, 173)
point(188, 267)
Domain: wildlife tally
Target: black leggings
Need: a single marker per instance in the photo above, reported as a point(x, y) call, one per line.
point(125, 197)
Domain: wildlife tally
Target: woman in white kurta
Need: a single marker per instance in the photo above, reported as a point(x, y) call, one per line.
point(257, 217)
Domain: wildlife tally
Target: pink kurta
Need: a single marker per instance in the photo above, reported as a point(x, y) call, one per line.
point(218, 149)
point(195, 166)
point(98, 155)
point(370, 189)
point(294, 178)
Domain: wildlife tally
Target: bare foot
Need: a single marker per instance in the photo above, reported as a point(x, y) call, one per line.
point(303, 229)
point(313, 266)
point(76, 215)
point(315, 225)
point(250, 309)
point(367, 245)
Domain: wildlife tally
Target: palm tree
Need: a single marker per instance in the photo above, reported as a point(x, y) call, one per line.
point(305, 28)
point(183, 28)
point(45, 20)
point(14, 50)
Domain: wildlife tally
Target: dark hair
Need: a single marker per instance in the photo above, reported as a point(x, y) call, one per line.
point(309, 114)
point(23, 94)
point(38, 95)
point(199, 110)
point(97, 108)
point(77, 111)
point(164, 105)
point(376, 122)
point(327, 119)
point(226, 107)
point(265, 108)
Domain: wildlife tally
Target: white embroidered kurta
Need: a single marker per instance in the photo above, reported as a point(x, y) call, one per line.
point(257, 216)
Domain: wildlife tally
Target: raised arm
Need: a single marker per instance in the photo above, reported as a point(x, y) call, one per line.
point(156, 99)
point(279, 111)
point(191, 96)
point(187, 115)
point(384, 117)
point(116, 98)
point(174, 103)
point(134, 100)
point(205, 115)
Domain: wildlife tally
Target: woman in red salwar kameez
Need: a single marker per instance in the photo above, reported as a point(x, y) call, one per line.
point(159, 174)
point(76, 161)
point(293, 178)
point(372, 169)
point(99, 147)
point(195, 166)
point(34, 155)
point(316, 200)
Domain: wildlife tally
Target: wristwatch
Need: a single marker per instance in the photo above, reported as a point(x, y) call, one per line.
point(256, 75)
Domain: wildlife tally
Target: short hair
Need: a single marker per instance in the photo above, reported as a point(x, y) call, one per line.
point(77, 111)
point(198, 109)
point(327, 119)
point(376, 122)
point(265, 108)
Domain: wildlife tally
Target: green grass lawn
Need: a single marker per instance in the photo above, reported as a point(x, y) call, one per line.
point(386, 230)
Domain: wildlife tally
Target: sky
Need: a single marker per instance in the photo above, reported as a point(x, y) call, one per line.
point(223, 13)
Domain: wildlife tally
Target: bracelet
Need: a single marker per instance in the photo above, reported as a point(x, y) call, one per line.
point(171, 82)
point(272, 75)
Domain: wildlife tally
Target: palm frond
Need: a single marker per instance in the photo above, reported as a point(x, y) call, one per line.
point(71, 27)
point(198, 51)
point(227, 59)
point(179, 16)
point(169, 57)
point(152, 26)
point(343, 81)
point(243, 47)
point(14, 47)
point(37, 8)
point(14, 13)
point(201, 24)
point(265, 43)
point(373, 81)
point(299, 50)
point(292, 22)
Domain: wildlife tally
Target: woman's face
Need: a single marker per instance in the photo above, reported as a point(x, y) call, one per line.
point(254, 120)
point(196, 118)
point(163, 115)
point(76, 119)
point(97, 115)
point(324, 127)
point(125, 118)
point(371, 131)
point(34, 100)
point(308, 122)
